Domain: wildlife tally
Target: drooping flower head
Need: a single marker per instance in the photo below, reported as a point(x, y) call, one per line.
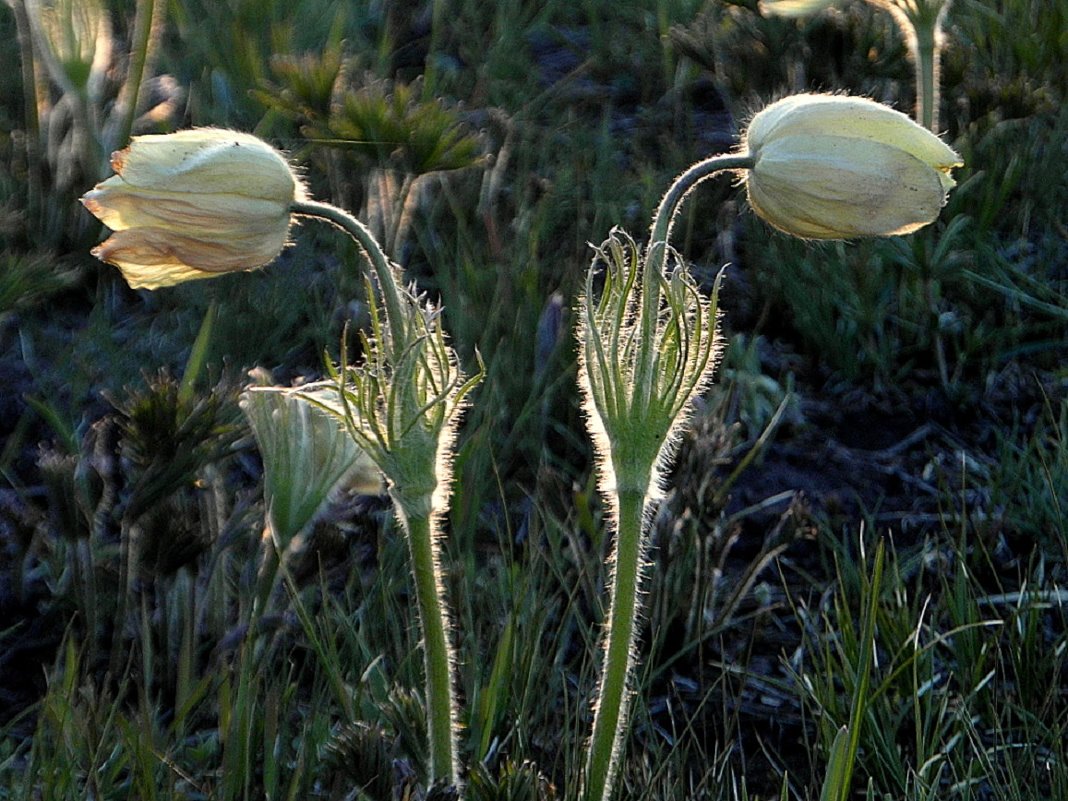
point(838, 167)
point(194, 204)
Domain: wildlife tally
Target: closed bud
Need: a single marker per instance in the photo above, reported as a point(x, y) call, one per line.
point(836, 167)
point(194, 204)
point(307, 456)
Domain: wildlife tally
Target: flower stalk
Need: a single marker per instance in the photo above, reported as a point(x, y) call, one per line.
point(614, 694)
point(921, 24)
point(648, 348)
point(384, 271)
point(928, 58)
point(402, 407)
point(816, 166)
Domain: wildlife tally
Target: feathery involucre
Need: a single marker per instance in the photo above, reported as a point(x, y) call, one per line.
point(641, 367)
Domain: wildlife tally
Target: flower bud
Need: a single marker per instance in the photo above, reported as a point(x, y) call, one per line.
point(307, 456)
point(194, 204)
point(836, 167)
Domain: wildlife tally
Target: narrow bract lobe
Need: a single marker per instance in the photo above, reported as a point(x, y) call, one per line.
point(837, 167)
point(194, 204)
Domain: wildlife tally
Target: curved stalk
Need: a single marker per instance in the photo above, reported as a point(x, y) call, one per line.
point(412, 445)
point(383, 269)
point(668, 209)
point(656, 252)
point(642, 403)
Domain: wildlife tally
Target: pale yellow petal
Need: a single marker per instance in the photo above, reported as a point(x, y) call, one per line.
point(192, 204)
point(838, 188)
point(793, 9)
point(206, 161)
point(157, 248)
point(844, 116)
point(144, 264)
point(121, 206)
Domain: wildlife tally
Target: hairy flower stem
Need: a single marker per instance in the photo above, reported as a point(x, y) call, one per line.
point(417, 495)
point(659, 235)
point(672, 200)
point(641, 407)
point(383, 270)
point(920, 23)
point(927, 58)
point(614, 694)
point(442, 717)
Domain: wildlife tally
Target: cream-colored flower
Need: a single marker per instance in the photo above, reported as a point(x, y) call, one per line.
point(837, 167)
point(793, 8)
point(194, 204)
point(307, 456)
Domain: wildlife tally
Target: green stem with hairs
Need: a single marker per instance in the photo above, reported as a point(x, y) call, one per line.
point(418, 509)
point(656, 253)
point(442, 712)
point(614, 694)
point(634, 473)
point(384, 271)
point(927, 57)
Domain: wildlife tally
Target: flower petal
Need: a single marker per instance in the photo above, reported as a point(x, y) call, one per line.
point(206, 161)
point(157, 257)
point(857, 117)
point(824, 187)
point(121, 206)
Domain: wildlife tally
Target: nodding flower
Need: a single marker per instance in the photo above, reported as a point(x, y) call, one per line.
point(837, 167)
point(194, 204)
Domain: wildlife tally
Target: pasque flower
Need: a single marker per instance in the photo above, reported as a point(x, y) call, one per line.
point(818, 166)
point(194, 204)
point(837, 167)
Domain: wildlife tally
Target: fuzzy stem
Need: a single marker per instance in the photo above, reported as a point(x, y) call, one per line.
point(418, 514)
point(659, 236)
point(383, 270)
point(442, 712)
point(630, 495)
point(614, 693)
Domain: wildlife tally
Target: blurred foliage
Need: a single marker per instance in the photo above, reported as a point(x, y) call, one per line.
point(27, 280)
point(167, 439)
